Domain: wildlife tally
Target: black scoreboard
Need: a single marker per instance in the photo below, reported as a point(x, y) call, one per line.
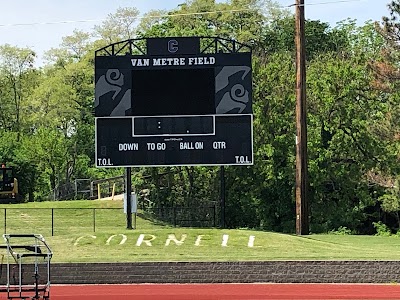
point(173, 102)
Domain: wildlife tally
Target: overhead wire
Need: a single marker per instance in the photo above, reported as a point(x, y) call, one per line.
point(170, 15)
point(139, 18)
point(49, 23)
point(323, 3)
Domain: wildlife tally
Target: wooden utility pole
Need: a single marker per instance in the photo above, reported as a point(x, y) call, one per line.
point(302, 222)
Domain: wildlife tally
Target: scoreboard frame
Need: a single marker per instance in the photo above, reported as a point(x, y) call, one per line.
point(228, 121)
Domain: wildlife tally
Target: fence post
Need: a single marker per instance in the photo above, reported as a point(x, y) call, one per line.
point(174, 216)
point(76, 188)
point(5, 220)
point(52, 222)
point(214, 215)
point(94, 219)
point(113, 192)
point(91, 190)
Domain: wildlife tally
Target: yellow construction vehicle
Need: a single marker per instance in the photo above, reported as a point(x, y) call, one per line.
point(8, 185)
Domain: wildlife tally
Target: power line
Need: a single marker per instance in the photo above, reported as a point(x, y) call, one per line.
point(167, 15)
point(323, 3)
point(139, 18)
point(49, 23)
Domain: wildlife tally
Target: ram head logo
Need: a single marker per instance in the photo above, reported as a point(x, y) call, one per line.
point(230, 82)
point(112, 82)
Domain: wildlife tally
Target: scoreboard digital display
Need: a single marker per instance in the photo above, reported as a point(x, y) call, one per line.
point(178, 92)
point(173, 104)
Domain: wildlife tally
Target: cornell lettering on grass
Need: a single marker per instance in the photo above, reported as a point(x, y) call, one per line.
point(148, 240)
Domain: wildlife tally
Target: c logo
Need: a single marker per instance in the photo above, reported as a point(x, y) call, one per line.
point(172, 46)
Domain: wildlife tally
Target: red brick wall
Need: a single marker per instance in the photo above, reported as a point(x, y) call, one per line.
point(227, 272)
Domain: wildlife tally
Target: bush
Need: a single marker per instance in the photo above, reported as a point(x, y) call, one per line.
point(342, 230)
point(382, 229)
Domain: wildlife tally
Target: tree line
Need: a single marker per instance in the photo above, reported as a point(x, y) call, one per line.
point(353, 104)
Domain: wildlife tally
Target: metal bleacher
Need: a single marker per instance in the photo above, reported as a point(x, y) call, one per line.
point(27, 257)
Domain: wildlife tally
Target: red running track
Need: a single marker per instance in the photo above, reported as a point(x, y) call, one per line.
point(223, 291)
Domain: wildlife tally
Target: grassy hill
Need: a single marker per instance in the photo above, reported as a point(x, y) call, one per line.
point(95, 231)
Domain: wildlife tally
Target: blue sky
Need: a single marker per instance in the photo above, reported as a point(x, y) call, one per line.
point(41, 37)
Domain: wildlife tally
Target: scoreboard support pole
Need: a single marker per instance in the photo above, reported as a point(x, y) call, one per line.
point(223, 194)
point(128, 190)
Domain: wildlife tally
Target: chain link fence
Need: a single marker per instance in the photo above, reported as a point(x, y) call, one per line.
point(60, 221)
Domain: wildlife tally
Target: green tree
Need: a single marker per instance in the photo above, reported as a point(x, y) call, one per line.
point(16, 75)
point(118, 26)
point(279, 35)
point(73, 48)
point(387, 75)
point(390, 201)
point(274, 132)
point(46, 149)
point(344, 112)
point(242, 20)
